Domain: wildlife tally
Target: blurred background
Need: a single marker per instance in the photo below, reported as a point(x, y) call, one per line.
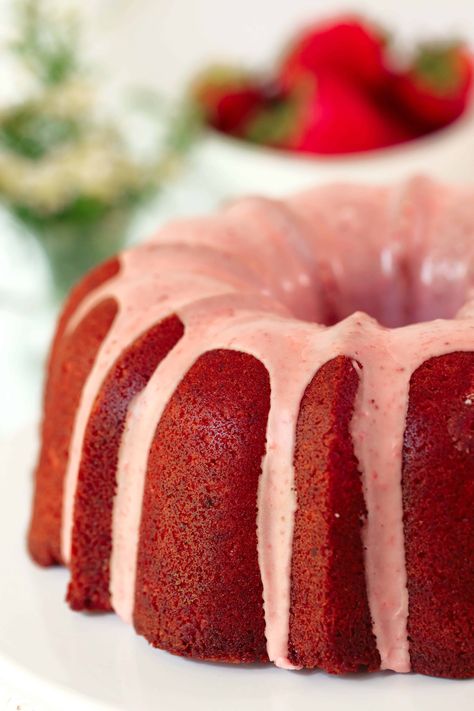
point(106, 133)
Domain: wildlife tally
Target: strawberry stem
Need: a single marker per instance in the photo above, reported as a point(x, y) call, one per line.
point(437, 66)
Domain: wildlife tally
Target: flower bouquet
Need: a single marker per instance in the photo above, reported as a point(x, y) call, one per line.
point(67, 172)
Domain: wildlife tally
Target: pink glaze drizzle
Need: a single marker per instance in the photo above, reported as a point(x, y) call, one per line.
point(305, 256)
point(142, 303)
point(389, 359)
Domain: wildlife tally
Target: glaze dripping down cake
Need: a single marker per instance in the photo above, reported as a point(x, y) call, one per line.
point(244, 464)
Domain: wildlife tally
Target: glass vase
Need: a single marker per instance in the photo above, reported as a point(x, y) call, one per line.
point(73, 249)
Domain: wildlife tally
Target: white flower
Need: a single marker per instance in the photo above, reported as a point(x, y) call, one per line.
point(96, 167)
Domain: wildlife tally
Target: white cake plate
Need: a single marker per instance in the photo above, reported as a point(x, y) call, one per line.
point(64, 660)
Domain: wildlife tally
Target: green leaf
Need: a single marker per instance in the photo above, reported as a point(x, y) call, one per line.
point(274, 124)
point(437, 65)
point(32, 135)
point(47, 44)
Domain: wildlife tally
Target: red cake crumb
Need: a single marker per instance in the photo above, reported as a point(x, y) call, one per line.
point(330, 625)
point(438, 500)
point(198, 590)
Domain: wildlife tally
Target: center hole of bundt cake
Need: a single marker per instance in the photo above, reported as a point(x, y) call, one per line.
point(434, 290)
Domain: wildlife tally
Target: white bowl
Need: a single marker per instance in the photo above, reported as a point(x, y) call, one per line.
point(237, 167)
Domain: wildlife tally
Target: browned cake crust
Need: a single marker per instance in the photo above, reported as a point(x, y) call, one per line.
point(330, 625)
point(96, 486)
point(198, 590)
point(438, 498)
point(71, 359)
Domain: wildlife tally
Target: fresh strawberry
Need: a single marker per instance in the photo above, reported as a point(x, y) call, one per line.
point(327, 116)
point(345, 45)
point(227, 98)
point(436, 89)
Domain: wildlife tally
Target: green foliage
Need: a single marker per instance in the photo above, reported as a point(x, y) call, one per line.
point(33, 134)
point(62, 162)
point(47, 44)
point(185, 127)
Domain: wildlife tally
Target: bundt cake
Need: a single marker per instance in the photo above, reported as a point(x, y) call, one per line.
point(240, 461)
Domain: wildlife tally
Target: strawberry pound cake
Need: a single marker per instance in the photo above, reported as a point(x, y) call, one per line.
point(258, 434)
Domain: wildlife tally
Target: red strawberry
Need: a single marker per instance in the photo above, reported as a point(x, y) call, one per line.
point(436, 89)
point(346, 45)
point(327, 116)
point(227, 97)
